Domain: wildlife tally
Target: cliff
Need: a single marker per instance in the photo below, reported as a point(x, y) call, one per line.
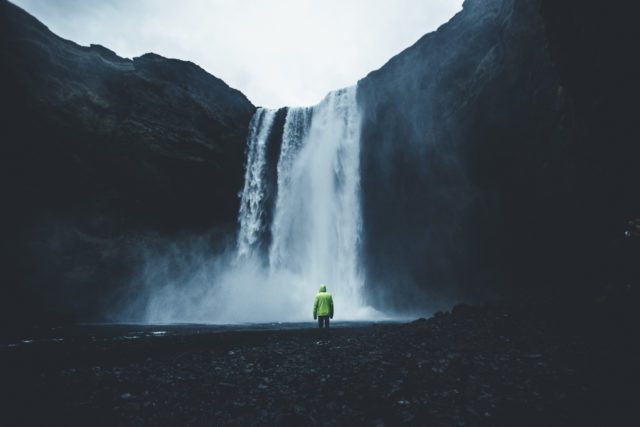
point(97, 149)
point(472, 187)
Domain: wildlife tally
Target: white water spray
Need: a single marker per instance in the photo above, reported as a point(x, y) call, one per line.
point(317, 225)
point(251, 203)
point(288, 216)
point(315, 232)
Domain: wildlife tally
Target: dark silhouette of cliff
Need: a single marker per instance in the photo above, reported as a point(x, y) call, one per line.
point(97, 149)
point(498, 155)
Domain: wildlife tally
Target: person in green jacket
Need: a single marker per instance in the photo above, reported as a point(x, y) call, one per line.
point(323, 307)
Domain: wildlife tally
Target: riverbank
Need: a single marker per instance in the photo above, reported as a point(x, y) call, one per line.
point(476, 366)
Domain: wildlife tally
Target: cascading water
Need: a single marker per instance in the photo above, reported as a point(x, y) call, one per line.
point(313, 236)
point(287, 218)
point(317, 222)
point(251, 203)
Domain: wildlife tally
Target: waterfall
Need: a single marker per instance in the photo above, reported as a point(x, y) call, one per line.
point(297, 229)
point(315, 232)
point(252, 199)
point(296, 126)
point(317, 224)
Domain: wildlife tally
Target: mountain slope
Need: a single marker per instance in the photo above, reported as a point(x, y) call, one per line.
point(500, 157)
point(465, 161)
point(96, 148)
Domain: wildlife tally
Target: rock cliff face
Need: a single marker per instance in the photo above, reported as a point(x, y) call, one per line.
point(97, 148)
point(466, 161)
point(500, 155)
point(591, 43)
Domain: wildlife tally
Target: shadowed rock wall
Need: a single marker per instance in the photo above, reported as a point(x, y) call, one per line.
point(97, 149)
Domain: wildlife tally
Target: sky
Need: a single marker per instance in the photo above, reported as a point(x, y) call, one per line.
point(277, 52)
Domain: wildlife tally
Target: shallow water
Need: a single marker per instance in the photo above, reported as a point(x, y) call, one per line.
point(105, 332)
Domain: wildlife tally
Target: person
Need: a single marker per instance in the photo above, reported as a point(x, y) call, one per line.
point(323, 307)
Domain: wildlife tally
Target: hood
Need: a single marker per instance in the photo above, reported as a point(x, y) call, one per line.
point(323, 288)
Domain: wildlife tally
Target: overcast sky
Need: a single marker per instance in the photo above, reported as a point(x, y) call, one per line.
point(277, 52)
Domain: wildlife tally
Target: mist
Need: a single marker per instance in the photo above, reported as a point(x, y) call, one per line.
point(279, 259)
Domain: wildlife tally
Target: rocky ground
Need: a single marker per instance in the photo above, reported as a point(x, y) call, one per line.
point(475, 366)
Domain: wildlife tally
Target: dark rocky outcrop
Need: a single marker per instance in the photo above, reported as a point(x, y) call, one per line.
point(487, 365)
point(590, 43)
point(96, 149)
point(483, 164)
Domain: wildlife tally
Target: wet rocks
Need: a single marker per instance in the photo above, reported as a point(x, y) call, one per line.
point(453, 369)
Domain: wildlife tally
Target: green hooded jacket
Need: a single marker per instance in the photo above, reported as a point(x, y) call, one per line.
point(323, 305)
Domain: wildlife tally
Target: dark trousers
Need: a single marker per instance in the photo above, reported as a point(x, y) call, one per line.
point(323, 322)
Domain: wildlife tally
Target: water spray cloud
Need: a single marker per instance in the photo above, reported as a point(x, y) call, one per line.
point(314, 235)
